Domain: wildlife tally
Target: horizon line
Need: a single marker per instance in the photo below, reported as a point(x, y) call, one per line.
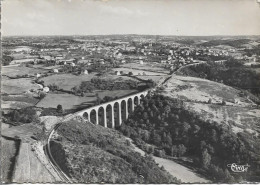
point(227, 35)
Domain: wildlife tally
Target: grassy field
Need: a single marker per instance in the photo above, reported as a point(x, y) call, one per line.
point(18, 86)
point(9, 149)
point(154, 78)
point(66, 81)
point(17, 101)
point(238, 112)
point(200, 90)
point(23, 132)
point(239, 118)
point(70, 101)
point(13, 71)
point(115, 93)
point(149, 67)
point(111, 76)
point(136, 70)
point(29, 169)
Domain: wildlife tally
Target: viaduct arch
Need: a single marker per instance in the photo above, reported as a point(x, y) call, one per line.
point(112, 113)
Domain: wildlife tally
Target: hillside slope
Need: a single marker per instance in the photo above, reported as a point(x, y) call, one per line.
point(215, 101)
point(92, 154)
point(208, 124)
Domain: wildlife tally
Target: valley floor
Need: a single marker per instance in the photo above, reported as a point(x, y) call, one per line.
point(180, 172)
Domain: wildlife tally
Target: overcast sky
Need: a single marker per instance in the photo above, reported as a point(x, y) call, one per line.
point(155, 17)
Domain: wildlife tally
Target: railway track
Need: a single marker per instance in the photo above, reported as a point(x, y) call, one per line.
point(47, 151)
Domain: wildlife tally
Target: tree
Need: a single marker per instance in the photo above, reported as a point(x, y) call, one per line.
point(206, 158)
point(181, 149)
point(6, 60)
point(42, 94)
point(16, 116)
point(174, 151)
point(145, 135)
point(130, 73)
point(157, 139)
point(169, 139)
point(59, 109)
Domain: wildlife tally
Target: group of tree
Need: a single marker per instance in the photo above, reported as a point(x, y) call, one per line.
point(103, 84)
point(165, 124)
point(22, 116)
point(6, 60)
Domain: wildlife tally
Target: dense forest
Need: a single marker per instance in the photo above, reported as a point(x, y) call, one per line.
point(162, 126)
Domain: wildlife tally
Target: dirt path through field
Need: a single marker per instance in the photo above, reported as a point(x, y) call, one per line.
point(180, 172)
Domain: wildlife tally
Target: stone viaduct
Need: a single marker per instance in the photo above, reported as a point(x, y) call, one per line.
point(112, 113)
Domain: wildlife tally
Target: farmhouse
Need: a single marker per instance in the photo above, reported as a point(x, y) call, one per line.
point(117, 73)
point(38, 75)
point(85, 72)
point(55, 70)
point(46, 89)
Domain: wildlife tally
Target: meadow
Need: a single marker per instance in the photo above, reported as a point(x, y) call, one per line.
point(70, 101)
point(18, 86)
point(154, 67)
point(136, 71)
point(66, 81)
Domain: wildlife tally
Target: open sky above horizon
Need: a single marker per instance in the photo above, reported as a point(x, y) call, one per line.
point(153, 17)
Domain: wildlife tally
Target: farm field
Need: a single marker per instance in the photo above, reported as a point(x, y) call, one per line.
point(17, 101)
point(9, 150)
point(115, 93)
point(70, 101)
point(18, 86)
point(66, 81)
point(18, 56)
point(13, 71)
point(23, 132)
point(154, 78)
point(110, 76)
point(148, 67)
point(14, 105)
point(136, 71)
point(29, 169)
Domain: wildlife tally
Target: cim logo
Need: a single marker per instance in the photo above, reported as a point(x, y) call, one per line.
point(238, 168)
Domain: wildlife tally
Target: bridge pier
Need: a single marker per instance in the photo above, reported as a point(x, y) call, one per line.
point(126, 110)
point(112, 116)
point(117, 106)
point(105, 117)
point(119, 114)
point(97, 118)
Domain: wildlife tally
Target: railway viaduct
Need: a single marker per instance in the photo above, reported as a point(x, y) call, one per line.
point(112, 113)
